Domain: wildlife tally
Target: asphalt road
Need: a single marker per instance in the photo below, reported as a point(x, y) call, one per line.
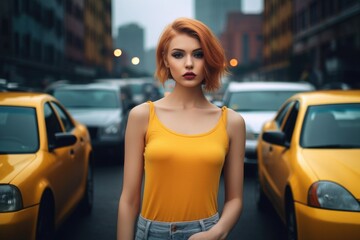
point(101, 223)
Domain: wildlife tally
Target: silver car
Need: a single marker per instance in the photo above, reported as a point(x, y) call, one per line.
point(103, 109)
point(258, 102)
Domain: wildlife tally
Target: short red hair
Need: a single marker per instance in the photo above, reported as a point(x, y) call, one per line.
point(214, 54)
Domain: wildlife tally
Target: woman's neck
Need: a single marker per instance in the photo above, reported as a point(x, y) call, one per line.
point(187, 98)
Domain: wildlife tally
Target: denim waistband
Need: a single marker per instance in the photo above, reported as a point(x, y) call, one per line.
point(168, 228)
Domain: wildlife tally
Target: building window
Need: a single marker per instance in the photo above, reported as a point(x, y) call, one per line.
point(313, 13)
point(5, 27)
point(16, 44)
point(245, 40)
point(17, 7)
point(302, 20)
point(26, 45)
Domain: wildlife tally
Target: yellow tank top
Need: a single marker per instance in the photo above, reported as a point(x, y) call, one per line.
point(182, 172)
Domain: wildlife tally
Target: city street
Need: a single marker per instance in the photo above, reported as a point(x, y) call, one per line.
point(101, 224)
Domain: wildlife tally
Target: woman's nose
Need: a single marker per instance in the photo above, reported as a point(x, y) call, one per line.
point(189, 62)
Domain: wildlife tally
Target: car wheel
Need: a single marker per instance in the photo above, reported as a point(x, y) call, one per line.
point(88, 198)
point(45, 228)
point(261, 200)
point(291, 228)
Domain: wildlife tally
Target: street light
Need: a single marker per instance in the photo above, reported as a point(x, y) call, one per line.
point(135, 60)
point(117, 52)
point(233, 62)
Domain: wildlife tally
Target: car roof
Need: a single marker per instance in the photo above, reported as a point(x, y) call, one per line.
point(127, 80)
point(328, 97)
point(269, 86)
point(89, 86)
point(28, 99)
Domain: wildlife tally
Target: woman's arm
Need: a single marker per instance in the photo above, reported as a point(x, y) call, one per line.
point(233, 180)
point(129, 204)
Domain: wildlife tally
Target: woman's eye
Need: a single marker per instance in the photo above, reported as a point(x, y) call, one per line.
point(177, 54)
point(198, 54)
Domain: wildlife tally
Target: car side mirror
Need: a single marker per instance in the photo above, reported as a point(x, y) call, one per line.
point(64, 140)
point(275, 137)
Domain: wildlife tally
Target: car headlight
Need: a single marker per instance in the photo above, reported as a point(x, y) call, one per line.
point(10, 198)
point(329, 195)
point(110, 130)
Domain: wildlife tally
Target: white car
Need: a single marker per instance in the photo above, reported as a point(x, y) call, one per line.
point(103, 108)
point(258, 102)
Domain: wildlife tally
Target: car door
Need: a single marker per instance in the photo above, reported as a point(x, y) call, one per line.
point(61, 172)
point(79, 161)
point(279, 158)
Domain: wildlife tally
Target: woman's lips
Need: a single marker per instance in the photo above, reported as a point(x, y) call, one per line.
point(189, 75)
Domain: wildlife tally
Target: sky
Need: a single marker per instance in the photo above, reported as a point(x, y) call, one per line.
point(154, 15)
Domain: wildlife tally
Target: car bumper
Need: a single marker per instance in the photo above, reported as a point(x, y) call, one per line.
point(315, 223)
point(250, 152)
point(20, 224)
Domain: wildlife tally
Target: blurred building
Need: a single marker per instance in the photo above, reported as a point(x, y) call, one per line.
point(150, 60)
point(326, 41)
point(98, 36)
point(130, 39)
point(42, 40)
point(75, 33)
point(312, 40)
point(277, 37)
point(242, 38)
point(214, 12)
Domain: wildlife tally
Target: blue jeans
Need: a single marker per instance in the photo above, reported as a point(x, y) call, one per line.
point(154, 230)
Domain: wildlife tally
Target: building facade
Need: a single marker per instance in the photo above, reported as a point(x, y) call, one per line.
point(130, 39)
point(47, 40)
point(98, 36)
point(326, 41)
point(214, 13)
point(312, 40)
point(277, 37)
point(242, 38)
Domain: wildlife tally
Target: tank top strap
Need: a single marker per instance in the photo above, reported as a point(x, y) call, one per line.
point(152, 109)
point(224, 115)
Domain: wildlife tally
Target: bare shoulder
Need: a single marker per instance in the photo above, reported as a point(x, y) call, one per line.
point(235, 120)
point(140, 113)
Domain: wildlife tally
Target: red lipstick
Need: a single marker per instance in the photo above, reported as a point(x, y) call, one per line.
point(189, 75)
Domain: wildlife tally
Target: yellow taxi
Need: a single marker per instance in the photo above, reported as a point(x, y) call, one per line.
point(45, 166)
point(309, 165)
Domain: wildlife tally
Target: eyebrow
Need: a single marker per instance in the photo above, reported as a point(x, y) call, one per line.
point(181, 50)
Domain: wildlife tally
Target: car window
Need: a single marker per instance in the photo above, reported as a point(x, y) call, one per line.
point(282, 113)
point(331, 126)
point(289, 125)
point(52, 124)
point(258, 100)
point(18, 130)
point(88, 98)
point(68, 124)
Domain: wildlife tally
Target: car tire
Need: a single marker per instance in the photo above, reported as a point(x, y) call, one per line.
point(262, 201)
point(291, 227)
point(88, 198)
point(45, 228)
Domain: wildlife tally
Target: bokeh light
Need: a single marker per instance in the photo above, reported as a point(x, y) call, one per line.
point(135, 60)
point(117, 52)
point(233, 62)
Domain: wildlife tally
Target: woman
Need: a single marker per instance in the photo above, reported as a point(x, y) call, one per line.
point(181, 144)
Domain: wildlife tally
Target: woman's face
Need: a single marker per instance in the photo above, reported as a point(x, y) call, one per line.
point(185, 59)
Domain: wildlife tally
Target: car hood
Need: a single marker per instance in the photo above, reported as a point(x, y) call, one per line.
point(255, 120)
point(12, 164)
point(96, 117)
point(337, 165)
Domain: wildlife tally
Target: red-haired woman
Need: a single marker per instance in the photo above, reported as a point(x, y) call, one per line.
point(179, 146)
